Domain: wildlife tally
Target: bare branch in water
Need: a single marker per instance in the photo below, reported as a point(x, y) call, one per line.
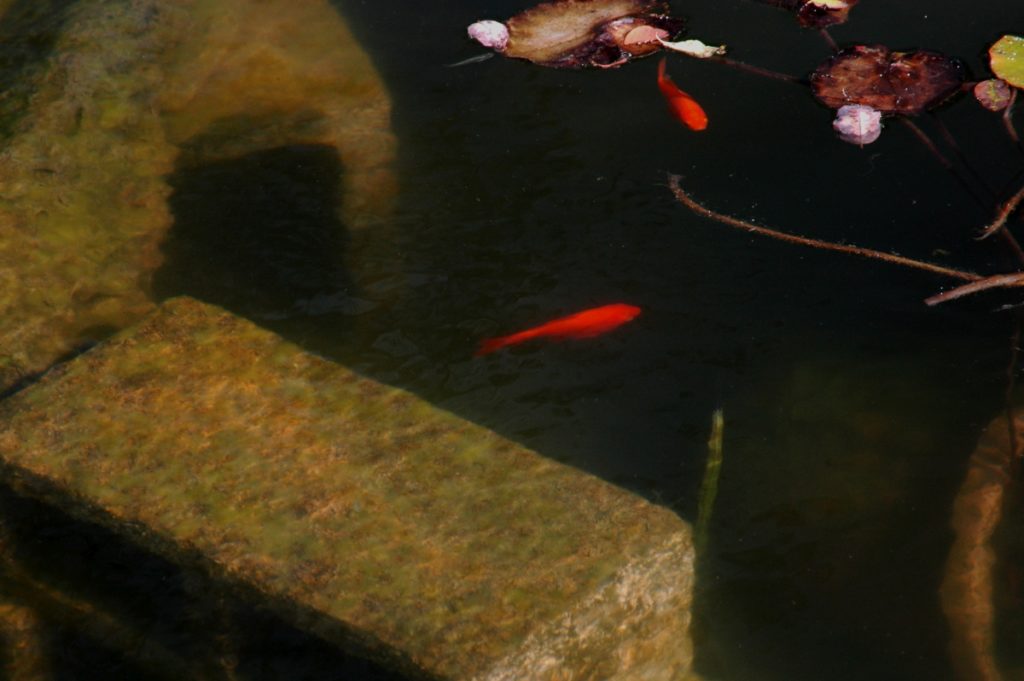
point(756, 70)
point(1003, 215)
point(1007, 238)
point(947, 136)
point(924, 139)
point(891, 258)
point(1012, 280)
point(1011, 130)
point(833, 45)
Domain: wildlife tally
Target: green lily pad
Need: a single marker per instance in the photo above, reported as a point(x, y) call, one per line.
point(1006, 57)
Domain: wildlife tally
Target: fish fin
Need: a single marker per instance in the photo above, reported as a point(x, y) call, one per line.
point(661, 69)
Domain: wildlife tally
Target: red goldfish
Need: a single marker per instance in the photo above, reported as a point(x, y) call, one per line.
point(586, 324)
point(684, 107)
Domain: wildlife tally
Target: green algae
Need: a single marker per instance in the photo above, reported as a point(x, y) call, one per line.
point(197, 432)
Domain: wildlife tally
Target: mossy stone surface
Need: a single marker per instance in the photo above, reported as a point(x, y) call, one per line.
point(129, 92)
point(364, 513)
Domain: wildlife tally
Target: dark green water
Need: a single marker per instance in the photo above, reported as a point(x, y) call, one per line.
point(528, 193)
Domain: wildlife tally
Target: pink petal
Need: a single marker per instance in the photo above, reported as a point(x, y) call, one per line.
point(644, 34)
point(858, 124)
point(488, 33)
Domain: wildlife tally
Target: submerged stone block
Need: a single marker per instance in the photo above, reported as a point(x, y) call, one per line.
point(125, 93)
point(357, 510)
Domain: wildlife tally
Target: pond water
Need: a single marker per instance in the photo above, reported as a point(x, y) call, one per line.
point(527, 193)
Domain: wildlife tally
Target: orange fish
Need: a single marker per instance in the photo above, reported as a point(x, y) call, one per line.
point(684, 107)
point(586, 324)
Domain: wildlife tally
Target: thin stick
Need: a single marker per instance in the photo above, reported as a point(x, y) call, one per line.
point(1011, 130)
point(924, 139)
point(829, 39)
point(756, 70)
point(891, 258)
point(1007, 238)
point(947, 135)
point(927, 142)
point(1011, 280)
point(1003, 215)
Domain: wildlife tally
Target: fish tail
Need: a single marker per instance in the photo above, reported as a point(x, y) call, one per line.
point(489, 345)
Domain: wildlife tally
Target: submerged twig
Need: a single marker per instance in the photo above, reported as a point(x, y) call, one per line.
point(1011, 129)
point(924, 139)
point(472, 60)
point(1002, 215)
point(829, 39)
point(891, 258)
point(709, 484)
point(950, 140)
point(1012, 280)
point(756, 70)
point(1007, 238)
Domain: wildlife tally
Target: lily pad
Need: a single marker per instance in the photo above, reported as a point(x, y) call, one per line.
point(993, 94)
point(1006, 57)
point(817, 13)
point(889, 82)
point(824, 13)
point(580, 33)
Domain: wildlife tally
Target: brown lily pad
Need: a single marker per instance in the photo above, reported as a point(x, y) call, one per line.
point(890, 82)
point(579, 33)
point(817, 13)
point(824, 13)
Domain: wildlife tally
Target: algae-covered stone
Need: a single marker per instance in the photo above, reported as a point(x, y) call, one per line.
point(363, 513)
point(126, 87)
point(259, 73)
point(82, 195)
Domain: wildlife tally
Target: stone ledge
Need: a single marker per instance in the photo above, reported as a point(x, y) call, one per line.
point(360, 512)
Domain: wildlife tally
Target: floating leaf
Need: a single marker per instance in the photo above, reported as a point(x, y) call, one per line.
point(1006, 58)
point(858, 124)
point(890, 82)
point(993, 94)
point(817, 13)
point(578, 33)
point(824, 13)
point(695, 48)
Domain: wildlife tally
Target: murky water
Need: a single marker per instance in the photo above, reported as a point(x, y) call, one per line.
point(527, 193)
